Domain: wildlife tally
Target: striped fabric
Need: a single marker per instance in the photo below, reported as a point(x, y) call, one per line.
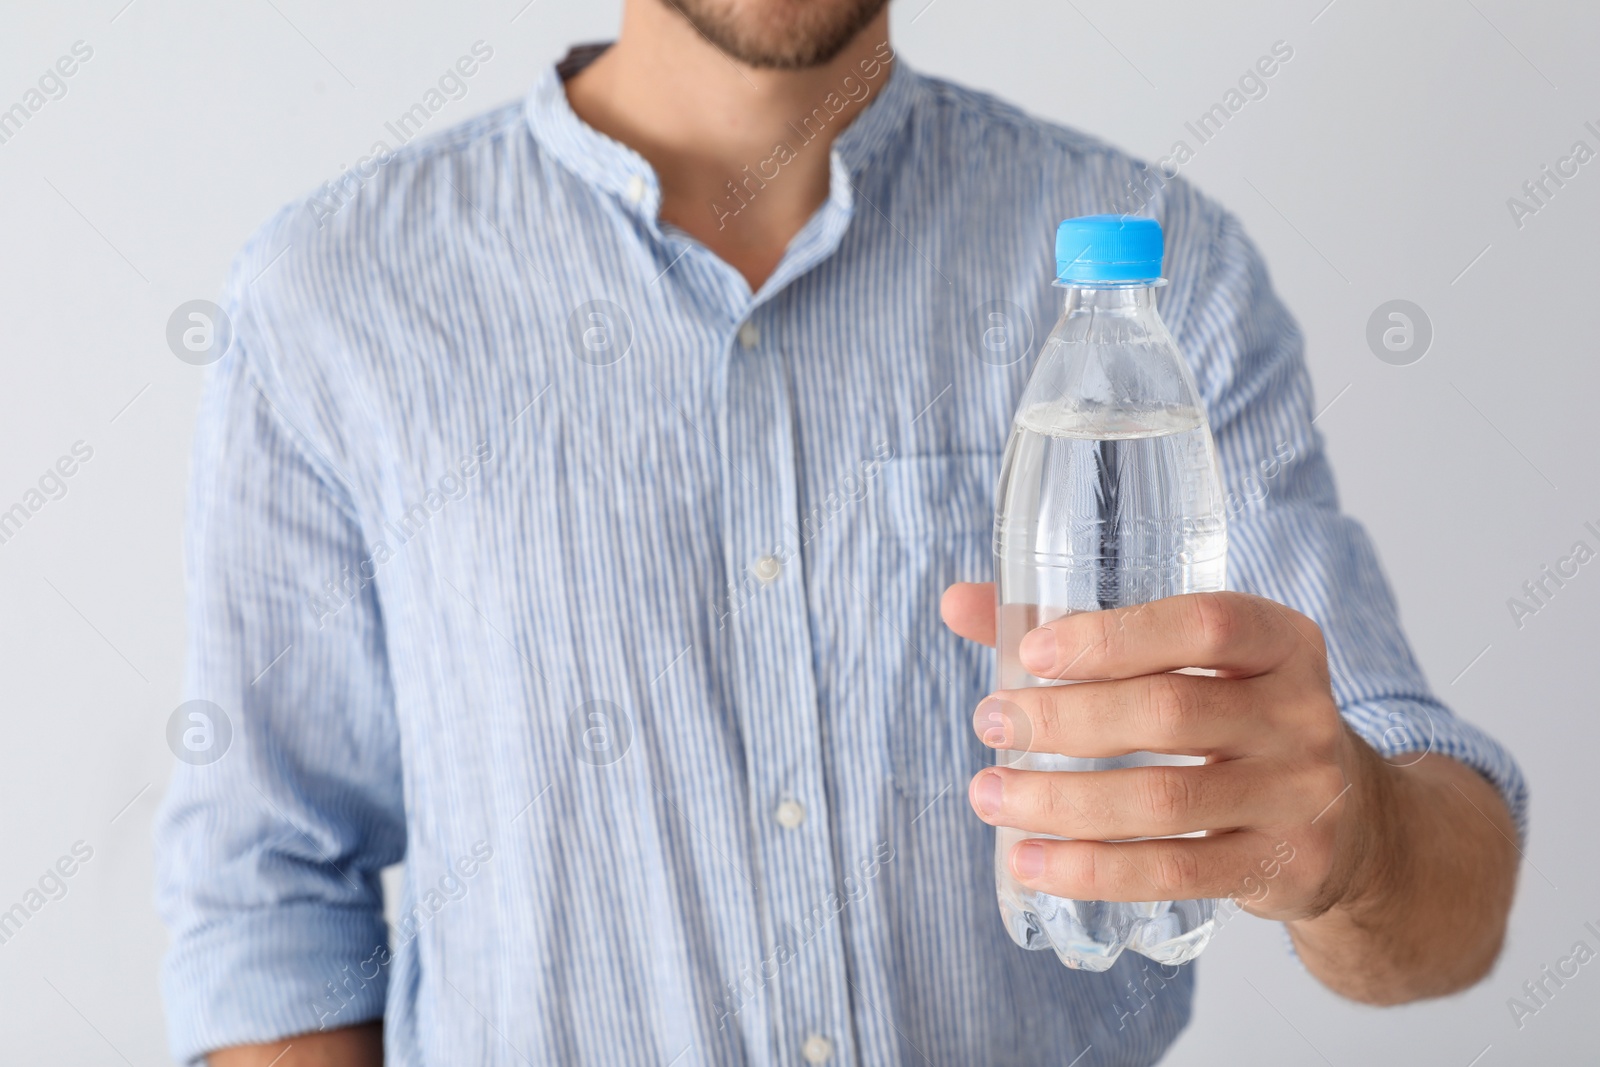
point(530, 546)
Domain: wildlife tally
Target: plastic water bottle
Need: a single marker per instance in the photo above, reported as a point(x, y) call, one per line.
point(1109, 496)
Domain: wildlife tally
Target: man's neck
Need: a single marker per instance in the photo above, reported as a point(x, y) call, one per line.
point(700, 119)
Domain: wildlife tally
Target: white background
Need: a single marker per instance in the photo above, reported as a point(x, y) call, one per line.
point(1377, 167)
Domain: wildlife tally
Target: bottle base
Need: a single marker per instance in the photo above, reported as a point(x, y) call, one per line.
point(1092, 935)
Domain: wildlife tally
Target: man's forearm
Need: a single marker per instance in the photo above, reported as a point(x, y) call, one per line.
point(1423, 909)
point(350, 1046)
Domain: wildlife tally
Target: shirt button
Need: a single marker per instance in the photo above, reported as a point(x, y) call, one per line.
point(817, 1049)
point(790, 814)
point(767, 569)
point(636, 188)
point(749, 336)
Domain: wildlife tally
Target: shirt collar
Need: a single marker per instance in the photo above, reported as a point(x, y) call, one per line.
point(617, 169)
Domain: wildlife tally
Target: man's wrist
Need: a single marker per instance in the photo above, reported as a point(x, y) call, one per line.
point(1422, 905)
point(1371, 849)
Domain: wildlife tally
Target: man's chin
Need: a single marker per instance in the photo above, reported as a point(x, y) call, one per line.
point(779, 34)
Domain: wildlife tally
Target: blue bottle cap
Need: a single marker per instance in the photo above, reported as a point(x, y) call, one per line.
point(1108, 249)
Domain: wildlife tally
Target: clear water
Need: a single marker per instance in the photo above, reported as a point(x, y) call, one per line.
point(1100, 509)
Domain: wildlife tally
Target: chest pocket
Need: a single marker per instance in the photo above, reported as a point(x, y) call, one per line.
point(934, 522)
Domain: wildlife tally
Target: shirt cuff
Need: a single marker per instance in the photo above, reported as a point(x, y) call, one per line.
point(1406, 731)
point(272, 973)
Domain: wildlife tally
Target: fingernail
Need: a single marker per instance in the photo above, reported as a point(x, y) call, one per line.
point(1027, 860)
point(988, 793)
point(1037, 650)
point(993, 725)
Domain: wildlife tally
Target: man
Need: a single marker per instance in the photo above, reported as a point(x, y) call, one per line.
point(573, 516)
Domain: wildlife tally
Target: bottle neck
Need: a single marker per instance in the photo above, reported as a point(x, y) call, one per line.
point(1110, 354)
point(1111, 300)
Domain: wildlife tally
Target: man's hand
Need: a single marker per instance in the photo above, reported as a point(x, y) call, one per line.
point(1281, 762)
point(1401, 877)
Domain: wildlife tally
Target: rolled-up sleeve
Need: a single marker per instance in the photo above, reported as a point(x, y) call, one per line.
point(1287, 539)
point(268, 858)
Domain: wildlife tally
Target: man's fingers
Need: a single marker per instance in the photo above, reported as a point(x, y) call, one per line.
point(1225, 865)
point(968, 609)
point(1180, 714)
point(1131, 802)
point(1233, 632)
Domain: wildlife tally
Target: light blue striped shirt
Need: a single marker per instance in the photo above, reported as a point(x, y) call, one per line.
point(530, 546)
